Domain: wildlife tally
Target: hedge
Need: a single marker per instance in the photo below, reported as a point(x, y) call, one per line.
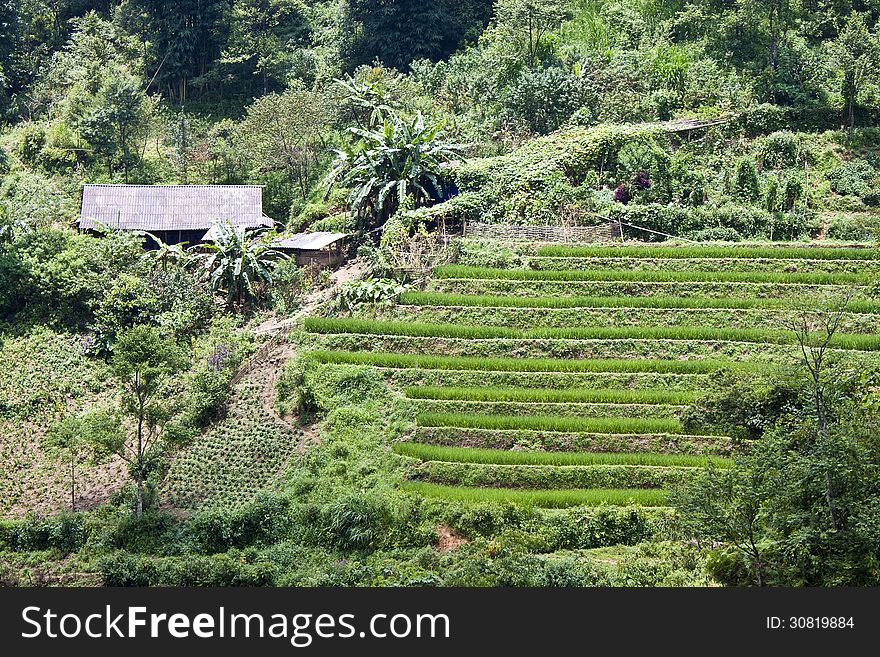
point(547, 499)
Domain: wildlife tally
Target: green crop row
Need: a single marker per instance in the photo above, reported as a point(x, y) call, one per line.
point(714, 289)
point(753, 252)
point(433, 362)
point(541, 498)
point(640, 349)
point(519, 457)
point(531, 409)
point(864, 267)
point(622, 425)
point(530, 318)
point(415, 298)
point(812, 278)
point(404, 378)
point(330, 325)
point(584, 395)
point(560, 441)
point(553, 477)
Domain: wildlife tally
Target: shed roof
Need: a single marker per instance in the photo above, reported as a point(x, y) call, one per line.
point(308, 241)
point(171, 207)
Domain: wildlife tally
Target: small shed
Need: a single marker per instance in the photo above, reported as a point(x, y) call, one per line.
point(324, 249)
point(174, 213)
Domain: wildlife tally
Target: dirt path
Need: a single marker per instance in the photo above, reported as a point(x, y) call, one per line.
point(267, 367)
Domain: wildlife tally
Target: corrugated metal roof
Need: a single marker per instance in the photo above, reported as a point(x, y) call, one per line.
point(308, 241)
point(171, 207)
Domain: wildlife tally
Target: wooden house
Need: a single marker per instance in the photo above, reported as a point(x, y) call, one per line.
point(173, 213)
point(324, 249)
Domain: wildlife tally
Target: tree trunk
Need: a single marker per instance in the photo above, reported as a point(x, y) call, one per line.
point(139, 473)
point(72, 483)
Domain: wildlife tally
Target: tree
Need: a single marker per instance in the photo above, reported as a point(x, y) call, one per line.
point(397, 32)
point(263, 34)
point(815, 333)
point(72, 440)
point(402, 158)
point(800, 506)
point(857, 54)
point(143, 363)
point(285, 132)
point(166, 254)
point(116, 116)
point(526, 23)
point(235, 261)
point(184, 39)
point(725, 504)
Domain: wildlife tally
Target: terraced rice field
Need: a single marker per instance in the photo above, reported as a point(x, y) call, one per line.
point(563, 384)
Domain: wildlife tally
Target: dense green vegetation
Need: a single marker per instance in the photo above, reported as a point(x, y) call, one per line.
point(467, 411)
point(543, 498)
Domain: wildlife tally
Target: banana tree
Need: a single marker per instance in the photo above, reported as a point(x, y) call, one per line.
point(237, 260)
point(396, 160)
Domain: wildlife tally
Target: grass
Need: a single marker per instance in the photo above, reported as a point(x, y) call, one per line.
point(752, 252)
point(649, 276)
point(328, 325)
point(542, 498)
point(546, 395)
point(615, 425)
point(415, 298)
point(519, 457)
point(476, 363)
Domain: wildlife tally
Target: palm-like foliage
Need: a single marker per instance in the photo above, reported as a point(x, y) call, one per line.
point(235, 261)
point(166, 254)
point(394, 161)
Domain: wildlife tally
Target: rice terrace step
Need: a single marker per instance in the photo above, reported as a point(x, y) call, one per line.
point(549, 427)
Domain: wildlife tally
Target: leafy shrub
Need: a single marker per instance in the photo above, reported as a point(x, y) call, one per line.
point(716, 234)
point(65, 532)
point(745, 184)
point(229, 569)
point(306, 386)
point(741, 406)
point(854, 229)
point(852, 178)
point(369, 291)
point(263, 521)
point(778, 150)
point(488, 253)
point(289, 282)
point(544, 98)
point(342, 222)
